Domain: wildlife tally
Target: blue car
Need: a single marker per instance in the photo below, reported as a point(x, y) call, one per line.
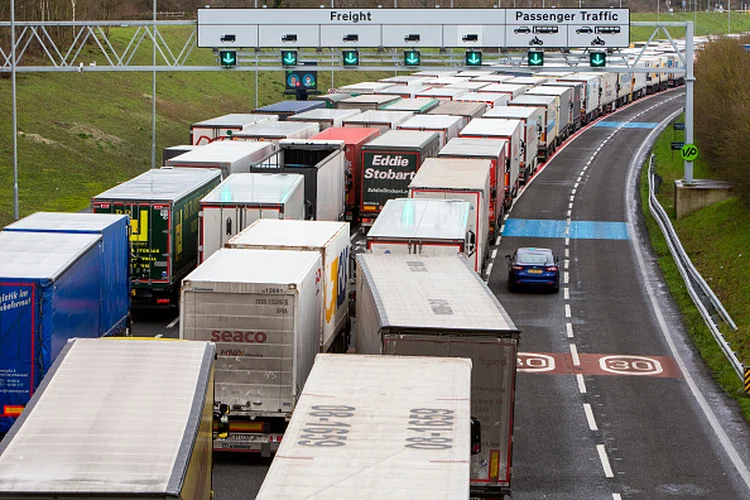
point(533, 267)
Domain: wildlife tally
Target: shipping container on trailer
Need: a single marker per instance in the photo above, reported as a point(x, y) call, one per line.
point(173, 151)
point(163, 206)
point(331, 100)
point(262, 310)
point(416, 106)
point(284, 109)
point(469, 110)
point(533, 119)
point(513, 90)
point(402, 91)
point(354, 138)
point(462, 179)
point(325, 117)
point(231, 157)
point(438, 306)
point(241, 200)
point(366, 102)
point(276, 131)
point(223, 127)
point(323, 164)
point(446, 126)
point(380, 119)
point(548, 137)
point(389, 163)
point(115, 283)
point(490, 99)
point(360, 441)
point(361, 88)
point(564, 106)
point(331, 240)
point(511, 131)
point(98, 428)
point(429, 226)
point(441, 93)
point(50, 291)
point(590, 109)
point(494, 151)
point(577, 100)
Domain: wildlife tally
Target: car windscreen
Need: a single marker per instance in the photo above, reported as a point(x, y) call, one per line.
point(534, 258)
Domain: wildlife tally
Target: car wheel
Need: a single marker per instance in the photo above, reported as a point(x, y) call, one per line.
point(556, 289)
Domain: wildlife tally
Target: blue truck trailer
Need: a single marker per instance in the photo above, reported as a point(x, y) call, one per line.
point(50, 291)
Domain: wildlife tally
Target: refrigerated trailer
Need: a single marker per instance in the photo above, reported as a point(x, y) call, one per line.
point(285, 109)
point(442, 93)
point(469, 110)
point(416, 106)
point(548, 139)
point(590, 109)
point(364, 87)
point(116, 419)
point(163, 207)
point(567, 110)
point(173, 151)
point(367, 102)
point(382, 120)
point(489, 99)
point(533, 119)
point(262, 310)
point(420, 305)
point(325, 117)
point(223, 127)
point(446, 126)
point(276, 131)
point(331, 240)
point(351, 439)
point(512, 90)
point(402, 91)
point(231, 157)
point(241, 200)
point(577, 99)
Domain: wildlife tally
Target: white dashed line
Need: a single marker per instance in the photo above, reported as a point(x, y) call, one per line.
point(567, 241)
point(605, 460)
point(616, 496)
point(567, 253)
point(174, 322)
point(574, 355)
point(566, 263)
point(570, 212)
point(566, 293)
point(581, 383)
point(575, 186)
point(569, 330)
point(565, 277)
point(567, 310)
point(494, 254)
point(497, 240)
point(158, 335)
point(572, 197)
point(574, 191)
point(567, 221)
point(570, 205)
point(489, 269)
point(590, 417)
point(579, 179)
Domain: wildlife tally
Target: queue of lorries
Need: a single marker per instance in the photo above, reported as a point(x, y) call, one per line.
point(247, 230)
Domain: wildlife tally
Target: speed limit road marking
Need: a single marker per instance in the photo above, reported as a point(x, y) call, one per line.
point(597, 364)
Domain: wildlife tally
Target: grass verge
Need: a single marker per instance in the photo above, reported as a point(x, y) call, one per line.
point(715, 238)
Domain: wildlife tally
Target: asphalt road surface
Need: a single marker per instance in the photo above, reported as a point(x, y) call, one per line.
point(612, 401)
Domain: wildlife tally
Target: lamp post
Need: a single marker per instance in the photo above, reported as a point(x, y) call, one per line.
point(15, 122)
point(153, 95)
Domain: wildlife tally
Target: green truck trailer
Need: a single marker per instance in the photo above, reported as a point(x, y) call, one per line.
point(163, 206)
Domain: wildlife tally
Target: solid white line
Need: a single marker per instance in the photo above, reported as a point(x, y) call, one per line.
point(574, 355)
point(489, 269)
point(605, 460)
point(565, 277)
point(158, 335)
point(569, 330)
point(590, 417)
point(566, 263)
point(494, 254)
point(700, 399)
point(174, 322)
point(567, 310)
point(581, 383)
point(566, 293)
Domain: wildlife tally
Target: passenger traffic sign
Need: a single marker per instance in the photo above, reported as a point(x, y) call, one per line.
point(689, 152)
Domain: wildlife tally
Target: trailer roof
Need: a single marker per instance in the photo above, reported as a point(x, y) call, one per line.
point(402, 89)
point(549, 90)
point(223, 152)
point(369, 99)
point(512, 112)
point(350, 135)
point(432, 122)
point(66, 221)
point(164, 184)
point(528, 80)
point(492, 78)
point(532, 99)
point(435, 73)
point(402, 79)
point(291, 106)
point(27, 255)
point(376, 461)
point(288, 233)
point(488, 97)
point(491, 126)
point(275, 129)
point(421, 218)
point(380, 116)
point(407, 139)
point(452, 173)
point(324, 114)
point(105, 422)
point(505, 87)
point(472, 147)
point(232, 265)
point(365, 87)
point(469, 85)
point(407, 287)
point(233, 120)
point(413, 104)
point(458, 108)
point(254, 188)
point(441, 92)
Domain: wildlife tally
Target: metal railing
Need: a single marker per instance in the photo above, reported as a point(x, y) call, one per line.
point(704, 298)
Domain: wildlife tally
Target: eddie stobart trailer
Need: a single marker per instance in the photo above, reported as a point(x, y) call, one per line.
point(389, 164)
point(350, 438)
point(419, 305)
point(116, 419)
point(262, 309)
point(163, 207)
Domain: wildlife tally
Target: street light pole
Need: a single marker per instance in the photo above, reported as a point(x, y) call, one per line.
point(15, 121)
point(153, 96)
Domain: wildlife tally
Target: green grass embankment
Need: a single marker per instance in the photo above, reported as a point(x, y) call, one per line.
point(706, 23)
point(717, 238)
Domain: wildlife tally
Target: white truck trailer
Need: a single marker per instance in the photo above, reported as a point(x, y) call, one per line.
point(276, 131)
point(223, 127)
point(375, 118)
point(461, 179)
point(423, 226)
point(324, 117)
point(231, 157)
point(533, 119)
point(548, 140)
point(262, 310)
point(564, 103)
point(446, 126)
point(489, 99)
point(349, 438)
point(116, 419)
point(241, 200)
point(590, 109)
point(437, 306)
point(331, 241)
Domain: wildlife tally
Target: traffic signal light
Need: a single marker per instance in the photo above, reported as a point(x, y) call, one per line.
point(228, 58)
point(597, 59)
point(412, 58)
point(535, 58)
point(289, 57)
point(351, 57)
point(473, 57)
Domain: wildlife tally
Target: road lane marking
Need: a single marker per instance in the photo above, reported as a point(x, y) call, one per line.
point(566, 263)
point(581, 383)
point(489, 269)
point(616, 496)
point(569, 330)
point(567, 241)
point(567, 253)
point(174, 322)
point(158, 335)
point(590, 417)
point(566, 293)
point(570, 205)
point(605, 460)
point(565, 277)
point(494, 254)
point(567, 310)
point(574, 355)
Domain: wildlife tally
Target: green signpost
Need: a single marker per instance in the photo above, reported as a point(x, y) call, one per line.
point(689, 152)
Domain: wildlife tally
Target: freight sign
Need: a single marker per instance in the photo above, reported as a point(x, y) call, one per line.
point(689, 152)
point(386, 176)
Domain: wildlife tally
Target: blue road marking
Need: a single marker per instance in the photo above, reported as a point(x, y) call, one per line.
point(608, 124)
point(583, 230)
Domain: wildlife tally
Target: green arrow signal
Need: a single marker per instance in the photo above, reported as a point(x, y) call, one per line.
point(597, 59)
point(290, 58)
point(473, 58)
point(228, 58)
point(412, 58)
point(535, 59)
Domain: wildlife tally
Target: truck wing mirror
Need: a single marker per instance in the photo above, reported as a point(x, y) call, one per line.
point(472, 243)
point(476, 436)
point(223, 424)
point(229, 226)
